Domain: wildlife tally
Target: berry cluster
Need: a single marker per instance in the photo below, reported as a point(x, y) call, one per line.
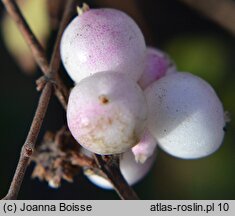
point(129, 98)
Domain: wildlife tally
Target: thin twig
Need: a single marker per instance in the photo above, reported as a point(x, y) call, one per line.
point(55, 10)
point(50, 72)
point(114, 175)
point(69, 12)
point(28, 147)
point(28, 35)
point(36, 48)
point(39, 55)
point(55, 64)
point(222, 12)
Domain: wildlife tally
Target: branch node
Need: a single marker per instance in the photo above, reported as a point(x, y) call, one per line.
point(45, 83)
point(43, 80)
point(27, 150)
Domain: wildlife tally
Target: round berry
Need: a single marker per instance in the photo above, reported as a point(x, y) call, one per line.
point(103, 40)
point(107, 113)
point(185, 116)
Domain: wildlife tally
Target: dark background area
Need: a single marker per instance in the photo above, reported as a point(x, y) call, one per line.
point(197, 45)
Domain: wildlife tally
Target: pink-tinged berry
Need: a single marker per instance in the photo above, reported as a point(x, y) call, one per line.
point(103, 40)
point(107, 113)
point(145, 148)
point(157, 65)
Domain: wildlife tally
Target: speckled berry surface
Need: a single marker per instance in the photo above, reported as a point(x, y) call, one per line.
point(107, 113)
point(185, 115)
point(103, 40)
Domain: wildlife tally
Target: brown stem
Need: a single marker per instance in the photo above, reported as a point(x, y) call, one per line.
point(69, 12)
point(55, 10)
point(114, 175)
point(50, 72)
point(28, 147)
point(55, 64)
point(36, 48)
point(222, 12)
point(28, 35)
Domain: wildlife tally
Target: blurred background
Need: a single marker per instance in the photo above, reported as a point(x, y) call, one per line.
point(197, 45)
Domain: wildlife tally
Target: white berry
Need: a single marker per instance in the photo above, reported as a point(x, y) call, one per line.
point(107, 113)
point(185, 115)
point(103, 40)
